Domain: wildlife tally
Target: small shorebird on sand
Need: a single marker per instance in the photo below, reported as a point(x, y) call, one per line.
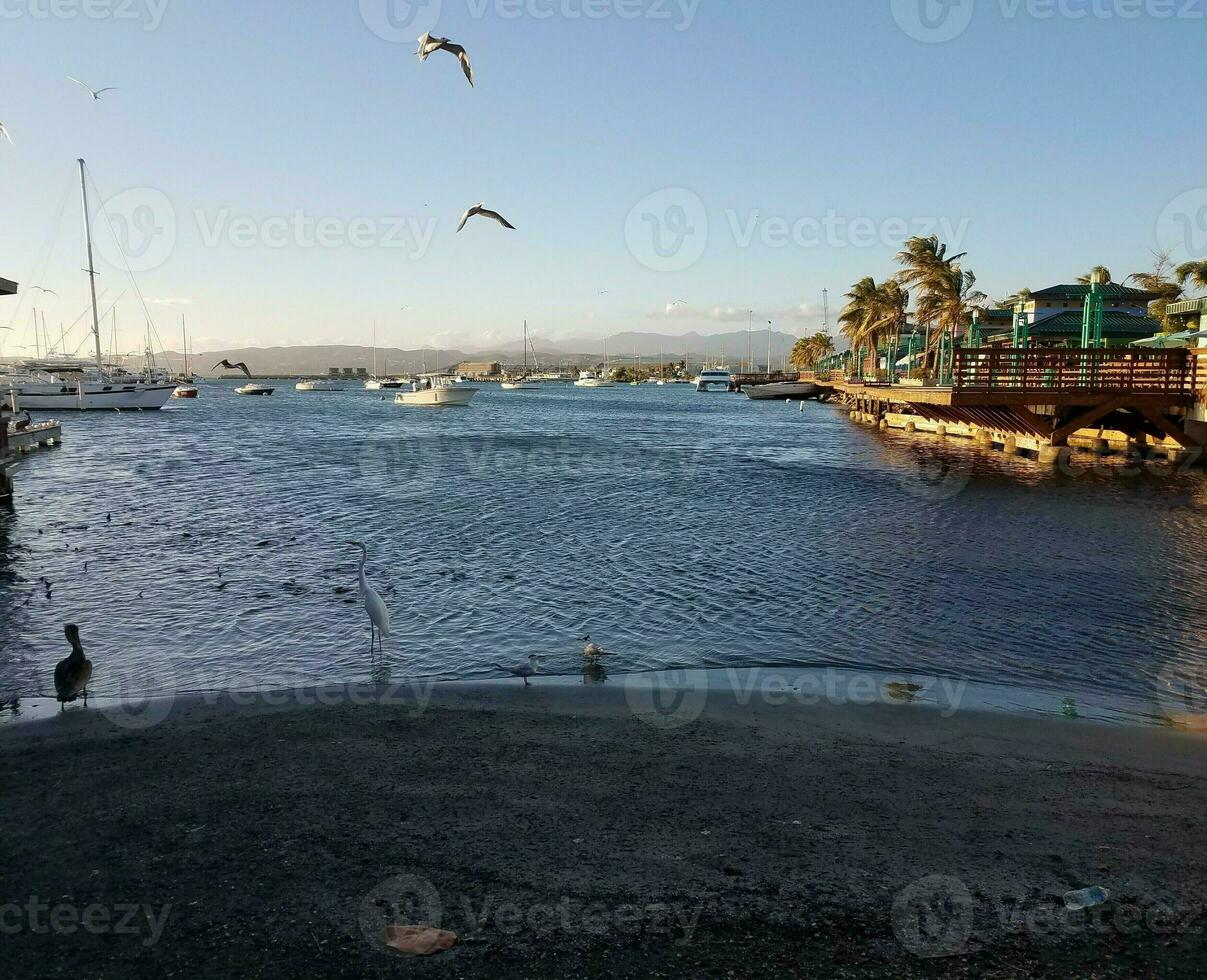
point(531, 669)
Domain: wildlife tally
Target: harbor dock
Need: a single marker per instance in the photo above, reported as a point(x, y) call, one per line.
point(1037, 399)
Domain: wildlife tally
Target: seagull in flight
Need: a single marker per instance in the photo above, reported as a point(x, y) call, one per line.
point(479, 209)
point(429, 44)
point(228, 366)
point(4, 133)
point(95, 92)
point(43, 289)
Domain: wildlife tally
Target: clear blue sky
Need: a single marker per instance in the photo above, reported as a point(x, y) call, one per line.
point(1047, 144)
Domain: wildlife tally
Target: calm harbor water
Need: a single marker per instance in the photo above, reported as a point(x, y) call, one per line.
point(677, 529)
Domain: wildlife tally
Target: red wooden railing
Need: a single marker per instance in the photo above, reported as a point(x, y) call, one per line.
point(1173, 372)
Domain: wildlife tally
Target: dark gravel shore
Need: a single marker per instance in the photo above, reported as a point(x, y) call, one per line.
point(560, 835)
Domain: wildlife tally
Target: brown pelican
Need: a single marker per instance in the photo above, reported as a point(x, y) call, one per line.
point(72, 675)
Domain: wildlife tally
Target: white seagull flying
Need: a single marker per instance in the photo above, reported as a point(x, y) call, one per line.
point(479, 210)
point(96, 93)
point(4, 133)
point(429, 44)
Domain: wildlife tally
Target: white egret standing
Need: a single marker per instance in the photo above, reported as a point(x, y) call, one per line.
point(375, 606)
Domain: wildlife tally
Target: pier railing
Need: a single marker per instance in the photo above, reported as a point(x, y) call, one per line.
point(1170, 372)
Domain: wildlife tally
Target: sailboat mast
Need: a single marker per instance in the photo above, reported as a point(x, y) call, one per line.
point(96, 320)
point(184, 339)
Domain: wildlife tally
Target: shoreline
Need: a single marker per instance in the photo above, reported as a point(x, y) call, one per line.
point(559, 833)
point(806, 685)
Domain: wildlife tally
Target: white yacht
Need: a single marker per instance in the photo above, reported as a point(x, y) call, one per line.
point(325, 384)
point(59, 384)
point(251, 388)
point(386, 384)
point(436, 391)
point(589, 379)
point(714, 379)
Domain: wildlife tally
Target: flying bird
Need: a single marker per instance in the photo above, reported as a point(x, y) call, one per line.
point(72, 675)
point(478, 210)
point(43, 289)
point(228, 366)
point(96, 93)
point(4, 133)
point(530, 669)
point(429, 44)
point(375, 606)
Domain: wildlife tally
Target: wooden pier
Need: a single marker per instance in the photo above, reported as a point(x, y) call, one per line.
point(18, 438)
point(1038, 398)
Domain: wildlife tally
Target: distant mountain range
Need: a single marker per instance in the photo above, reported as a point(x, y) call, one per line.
point(732, 347)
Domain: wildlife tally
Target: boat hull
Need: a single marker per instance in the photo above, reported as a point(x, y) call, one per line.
point(185, 391)
point(91, 397)
point(254, 390)
point(521, 386)
point(785, 391)
point(437, 398)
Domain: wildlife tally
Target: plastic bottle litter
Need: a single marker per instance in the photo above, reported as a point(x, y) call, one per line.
point(1085, 898)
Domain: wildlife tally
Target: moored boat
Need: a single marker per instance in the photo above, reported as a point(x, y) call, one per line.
point(436, 391)
point(251, 388)
point(782, 391)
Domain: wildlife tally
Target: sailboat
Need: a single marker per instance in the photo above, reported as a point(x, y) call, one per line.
point(380, 382)
point(59, 384)
point(525, 382)
point(185, 388)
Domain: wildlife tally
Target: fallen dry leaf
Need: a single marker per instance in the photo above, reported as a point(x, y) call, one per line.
point(419, 940)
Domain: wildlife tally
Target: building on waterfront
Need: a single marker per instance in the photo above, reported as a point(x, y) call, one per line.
point(1055, 316)
point(1188, 315)
point(479, 369)
point(7, 288)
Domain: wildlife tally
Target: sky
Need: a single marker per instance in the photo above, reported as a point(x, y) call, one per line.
point(290, 173)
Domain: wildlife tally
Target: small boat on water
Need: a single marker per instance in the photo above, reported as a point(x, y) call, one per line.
point(436, 391)
point(386, 384)
point(525, 382)
point(714, 379)
point(589, 379)
point(186, 391)
point(318, 385)
point(254, 389)
point(782, 391)
point(184, 380)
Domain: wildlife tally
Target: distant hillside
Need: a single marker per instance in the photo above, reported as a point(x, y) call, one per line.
point(317, 360)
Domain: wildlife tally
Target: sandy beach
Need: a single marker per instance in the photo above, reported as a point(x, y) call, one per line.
point(559, 833)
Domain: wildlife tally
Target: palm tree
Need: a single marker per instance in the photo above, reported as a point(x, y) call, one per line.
point(1011, 302)
point(804, 354)
point(1159, 281)
point(823, 343)
point(1193, 272)
point(1104, 275)
point(946, 292)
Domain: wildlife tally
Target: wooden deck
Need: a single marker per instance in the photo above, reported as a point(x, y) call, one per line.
point(1049, 394)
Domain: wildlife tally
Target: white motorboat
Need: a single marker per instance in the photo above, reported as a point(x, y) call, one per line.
point(782, 391)
point(318, 385)
point(436, 391)
point(186, 391)
point(251, 388)
point(386, 384)
point(589, 379)
point(714, 379)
